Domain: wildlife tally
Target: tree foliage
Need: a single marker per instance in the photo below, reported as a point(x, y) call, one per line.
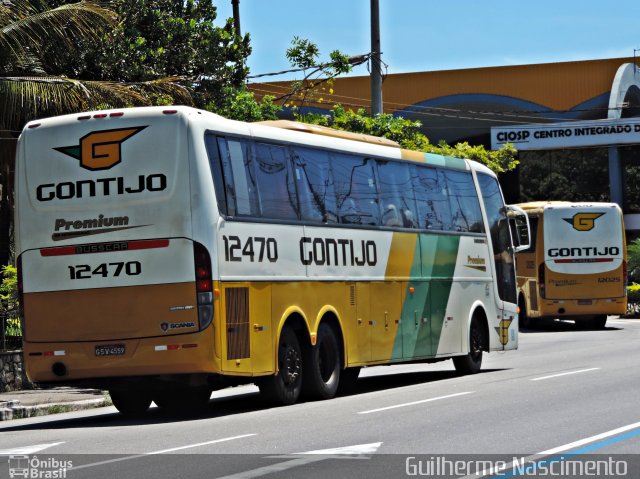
point(633, 261)
point(407, 134)
point(304, 54)
point(242, 105)
point(37, 41)
point(169, 38)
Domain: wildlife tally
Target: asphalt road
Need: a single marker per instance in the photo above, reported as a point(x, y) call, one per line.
point(564, 394)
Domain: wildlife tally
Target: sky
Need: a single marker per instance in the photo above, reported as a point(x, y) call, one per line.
point(429, 35)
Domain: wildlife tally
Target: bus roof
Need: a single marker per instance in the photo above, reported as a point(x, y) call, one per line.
point(326, 131)
point(537, 207)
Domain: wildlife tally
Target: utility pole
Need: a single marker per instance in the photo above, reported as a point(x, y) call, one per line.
point(376, 68)
point(236, 16)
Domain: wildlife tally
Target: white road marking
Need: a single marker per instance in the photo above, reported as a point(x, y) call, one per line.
point(26, 450)
point(163, 451)
point(360, 451)
point(555, 450)
point(564, 374)
point(414, 403)
point(588, 440)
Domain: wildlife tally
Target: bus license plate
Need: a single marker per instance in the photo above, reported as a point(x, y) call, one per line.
point(585, 302)
point(110, 350)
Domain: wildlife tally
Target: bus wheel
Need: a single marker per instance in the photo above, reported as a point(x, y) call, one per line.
point(524, 322)
point(130, 403)
point(322, 365)
point(470, 363)
point(285, 386)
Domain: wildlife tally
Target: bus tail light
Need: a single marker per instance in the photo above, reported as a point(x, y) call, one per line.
point(204, 284)
point(541, 283)
point(625, 278)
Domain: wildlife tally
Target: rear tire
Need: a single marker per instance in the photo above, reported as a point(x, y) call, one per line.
point(285, 386)
point(471, 363)
point(130, 403)
point(322, 365)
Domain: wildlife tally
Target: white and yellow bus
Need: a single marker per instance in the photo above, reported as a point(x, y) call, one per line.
point(576, 266)
point(165, 252)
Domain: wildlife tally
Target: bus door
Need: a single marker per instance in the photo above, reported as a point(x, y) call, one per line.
point(363, 328)
point(416, 324)
point(384, 319)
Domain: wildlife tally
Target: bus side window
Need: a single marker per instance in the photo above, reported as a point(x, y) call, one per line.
point(533, 234)
point(215, 163)
point(500, 237)
point(429, 185)
point(396, 194)
point(465, 205)
point(356, 192)
point(276, 191)
point(315, 186)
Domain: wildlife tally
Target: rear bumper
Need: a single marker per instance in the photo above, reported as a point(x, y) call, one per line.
point(560, 308)
point(76, 361)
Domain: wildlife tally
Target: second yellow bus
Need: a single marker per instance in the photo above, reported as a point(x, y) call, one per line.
point(576, 266)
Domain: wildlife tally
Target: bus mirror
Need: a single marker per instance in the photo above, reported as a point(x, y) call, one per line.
point(519, 224)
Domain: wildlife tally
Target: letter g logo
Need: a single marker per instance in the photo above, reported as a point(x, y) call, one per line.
point(100, 150)
point(583, 221)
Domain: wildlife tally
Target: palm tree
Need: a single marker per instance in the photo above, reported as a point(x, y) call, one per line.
point(32, 35)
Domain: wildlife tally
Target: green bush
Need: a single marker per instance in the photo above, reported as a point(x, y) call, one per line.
point(9, 304)
point(633, 261)
point(633, 299)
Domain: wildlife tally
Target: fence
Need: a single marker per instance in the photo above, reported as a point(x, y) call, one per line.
point(10, 330)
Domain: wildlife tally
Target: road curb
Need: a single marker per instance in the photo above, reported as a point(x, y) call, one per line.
point(14, 410)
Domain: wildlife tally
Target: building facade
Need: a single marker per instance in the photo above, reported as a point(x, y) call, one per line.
point(576, 124)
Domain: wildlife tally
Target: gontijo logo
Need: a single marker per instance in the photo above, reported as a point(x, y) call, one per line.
point(100, 150)
point(583, 221)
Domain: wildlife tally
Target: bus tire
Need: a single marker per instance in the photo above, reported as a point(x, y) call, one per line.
point(322, 365)
point(130, 403)
point(285, 387)
point(524, 322)
point(471, 362)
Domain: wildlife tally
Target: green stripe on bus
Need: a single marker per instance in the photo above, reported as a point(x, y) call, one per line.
point(443, 268)
point(446, 161)
point(424, 309)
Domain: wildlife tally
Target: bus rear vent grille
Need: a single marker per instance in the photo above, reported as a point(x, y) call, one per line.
point(352, 294)
point(237, 307)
